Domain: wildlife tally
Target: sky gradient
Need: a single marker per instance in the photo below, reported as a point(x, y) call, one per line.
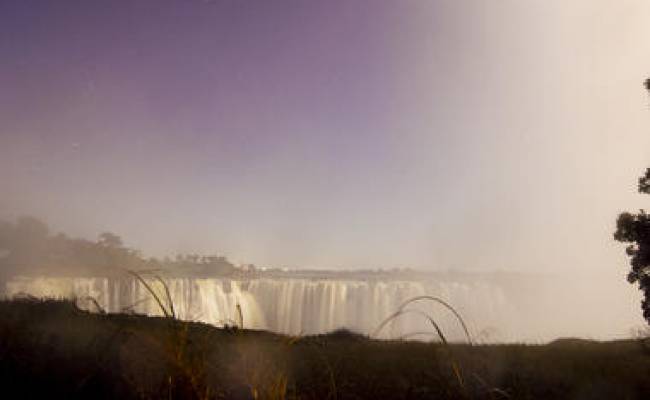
point(337, 134)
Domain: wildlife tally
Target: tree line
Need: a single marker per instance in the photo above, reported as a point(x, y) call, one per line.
point(28, 247)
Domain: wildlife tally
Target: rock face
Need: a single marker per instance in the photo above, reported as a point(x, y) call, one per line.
point(495, 310)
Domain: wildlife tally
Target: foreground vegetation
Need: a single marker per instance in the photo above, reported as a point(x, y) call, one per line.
point(53, 349)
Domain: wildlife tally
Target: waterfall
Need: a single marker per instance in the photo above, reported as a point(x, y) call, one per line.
point(292, 306)
point(495, 311)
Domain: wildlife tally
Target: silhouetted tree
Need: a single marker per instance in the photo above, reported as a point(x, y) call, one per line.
point(635, 230)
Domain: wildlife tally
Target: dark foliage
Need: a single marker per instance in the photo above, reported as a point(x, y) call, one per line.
point(634, 229)
point(51, 349)
point(644, 182)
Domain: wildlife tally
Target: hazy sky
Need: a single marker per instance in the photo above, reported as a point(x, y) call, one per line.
point(431, 134)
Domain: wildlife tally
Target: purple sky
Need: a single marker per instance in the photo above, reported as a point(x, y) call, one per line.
point(432, 134)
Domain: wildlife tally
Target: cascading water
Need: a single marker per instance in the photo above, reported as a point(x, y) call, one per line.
point(501, 309)
point(293, 306)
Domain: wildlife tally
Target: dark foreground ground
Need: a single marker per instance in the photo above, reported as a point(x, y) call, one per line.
point(51, 349)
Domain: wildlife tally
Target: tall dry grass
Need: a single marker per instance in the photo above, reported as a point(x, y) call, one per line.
point(264, 372)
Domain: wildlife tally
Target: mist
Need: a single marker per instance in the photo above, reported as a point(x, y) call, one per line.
point(488, 140)
point(499, 306)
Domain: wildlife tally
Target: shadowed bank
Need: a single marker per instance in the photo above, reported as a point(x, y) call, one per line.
point(52, 349)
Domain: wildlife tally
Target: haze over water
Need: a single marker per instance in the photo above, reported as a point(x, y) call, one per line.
point(437, 135)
